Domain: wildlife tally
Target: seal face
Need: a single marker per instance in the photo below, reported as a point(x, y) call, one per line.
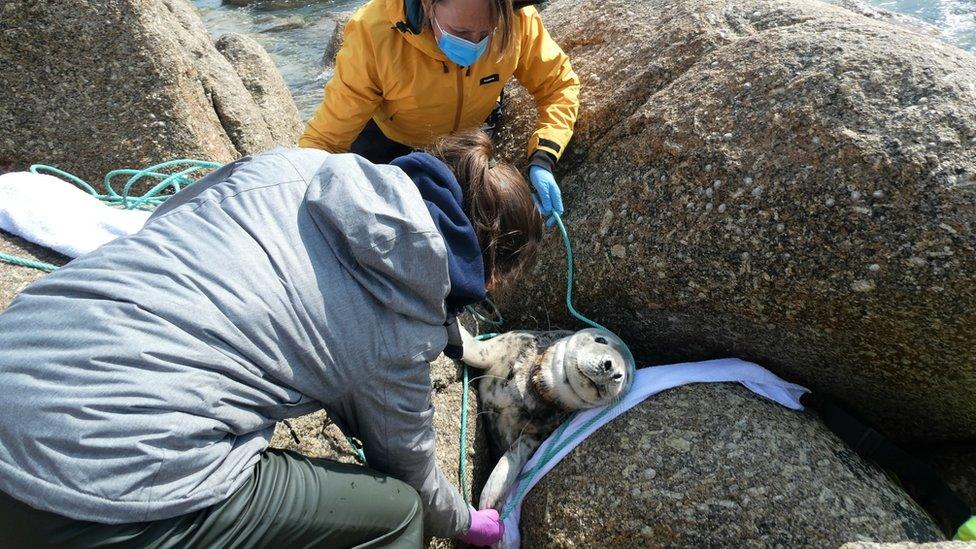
point(533, 380)
point(585, 370)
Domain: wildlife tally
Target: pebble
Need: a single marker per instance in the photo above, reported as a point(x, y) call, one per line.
point(618, 251)
point(863, 285)
point(829, 202)
point(855, 195)
point(874, 267)
point(679, 444)
point(757, 192)
point(721, 208)
point(717, 183)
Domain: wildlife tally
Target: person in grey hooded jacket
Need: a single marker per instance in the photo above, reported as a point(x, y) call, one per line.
point(141, 383)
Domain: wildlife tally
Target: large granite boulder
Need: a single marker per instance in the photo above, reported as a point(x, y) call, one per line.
point(94, 85)
point(262, 80)
point(781, 180)
point(714, 464)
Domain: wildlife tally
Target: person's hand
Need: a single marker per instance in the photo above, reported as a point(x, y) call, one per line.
point(485, 528)
point(550, 198)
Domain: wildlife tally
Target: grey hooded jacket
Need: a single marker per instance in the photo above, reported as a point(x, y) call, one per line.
point(143, 381)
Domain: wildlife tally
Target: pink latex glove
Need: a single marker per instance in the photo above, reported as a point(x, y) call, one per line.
point(485, 528)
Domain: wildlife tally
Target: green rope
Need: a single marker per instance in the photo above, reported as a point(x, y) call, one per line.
point(569, 286)
point(360, 456)
point(146, 201)
point(498, 319)
point(24, 262)
point(463, 458)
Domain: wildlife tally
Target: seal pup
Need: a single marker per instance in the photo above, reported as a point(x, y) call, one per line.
point(532, 382)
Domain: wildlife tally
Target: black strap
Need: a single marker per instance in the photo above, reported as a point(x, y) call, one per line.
point(921, 482)
point(455, 344)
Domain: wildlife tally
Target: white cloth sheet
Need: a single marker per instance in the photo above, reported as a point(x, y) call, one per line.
point(56, 214)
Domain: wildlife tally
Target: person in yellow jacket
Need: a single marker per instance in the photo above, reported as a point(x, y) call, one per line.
point(410, 71)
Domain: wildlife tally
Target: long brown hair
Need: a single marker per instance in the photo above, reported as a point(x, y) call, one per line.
point(498, 201)
point(502, 18)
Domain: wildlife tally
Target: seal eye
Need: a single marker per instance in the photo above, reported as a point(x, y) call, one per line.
point(601, 340)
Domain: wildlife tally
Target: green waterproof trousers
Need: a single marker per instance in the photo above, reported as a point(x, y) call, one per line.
point(290, 501)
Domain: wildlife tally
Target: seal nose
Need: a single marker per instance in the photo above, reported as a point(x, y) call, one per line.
point(617, 376)
point(607, 365)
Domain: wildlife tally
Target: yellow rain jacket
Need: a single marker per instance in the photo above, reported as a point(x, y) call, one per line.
point(415, 94)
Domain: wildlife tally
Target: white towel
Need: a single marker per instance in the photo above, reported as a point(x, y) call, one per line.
point(58, 215)
point(648, 382)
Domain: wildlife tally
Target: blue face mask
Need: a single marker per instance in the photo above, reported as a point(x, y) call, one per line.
point(459, 50)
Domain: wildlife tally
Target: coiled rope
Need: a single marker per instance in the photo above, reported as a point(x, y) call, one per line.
point(149, 200)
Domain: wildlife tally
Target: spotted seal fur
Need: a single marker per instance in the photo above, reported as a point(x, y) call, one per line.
point(532, 381)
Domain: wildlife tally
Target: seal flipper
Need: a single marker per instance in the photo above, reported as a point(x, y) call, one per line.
point(503, 349)
point(507, 469)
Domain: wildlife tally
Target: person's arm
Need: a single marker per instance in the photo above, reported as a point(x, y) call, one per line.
point(352, 95)
point(395, 416)
point(545, 71)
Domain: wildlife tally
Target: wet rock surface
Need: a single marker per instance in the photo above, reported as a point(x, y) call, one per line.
point(714, 464)
point(334, 42)
point(780, 180)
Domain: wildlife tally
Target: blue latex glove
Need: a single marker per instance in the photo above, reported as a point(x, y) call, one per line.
point(549, 197)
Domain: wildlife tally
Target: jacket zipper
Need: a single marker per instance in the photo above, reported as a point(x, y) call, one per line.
point(460, 101)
